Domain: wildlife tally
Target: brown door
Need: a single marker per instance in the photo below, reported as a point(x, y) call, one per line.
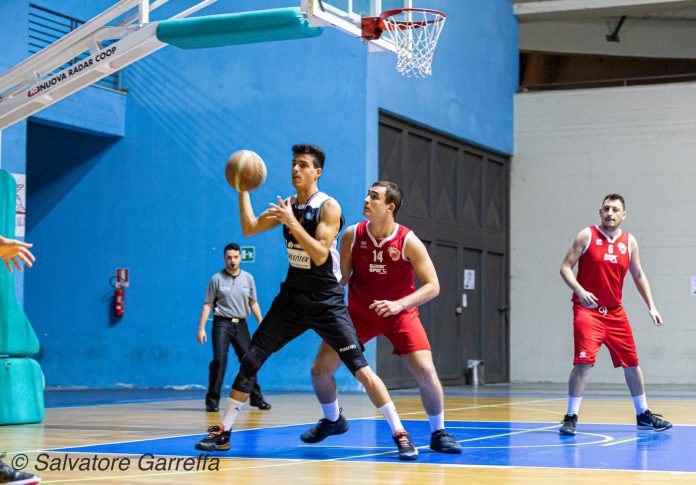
point(456, 200)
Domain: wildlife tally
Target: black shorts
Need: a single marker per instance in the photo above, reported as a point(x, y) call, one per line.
point(324, 311)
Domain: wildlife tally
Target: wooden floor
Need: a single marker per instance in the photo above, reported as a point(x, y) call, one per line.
point(99, 424)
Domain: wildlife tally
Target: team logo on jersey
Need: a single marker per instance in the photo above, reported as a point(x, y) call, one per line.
point(598, 242)
point(622, 248)
point(612, 258)
point(308, 216)
point(394, 253)
point(363, 244)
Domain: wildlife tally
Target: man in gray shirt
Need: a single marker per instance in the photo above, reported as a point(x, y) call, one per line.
point(231, 294)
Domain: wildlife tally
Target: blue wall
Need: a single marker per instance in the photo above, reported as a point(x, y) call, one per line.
point(13, 48)
point(475, 74)
point(155, 200)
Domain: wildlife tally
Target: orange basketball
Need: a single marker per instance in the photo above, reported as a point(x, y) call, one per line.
point(245, 170)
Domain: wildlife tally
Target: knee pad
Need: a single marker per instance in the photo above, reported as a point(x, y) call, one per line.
point(248, 367)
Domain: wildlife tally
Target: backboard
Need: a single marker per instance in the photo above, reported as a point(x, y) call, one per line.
point(345, 15)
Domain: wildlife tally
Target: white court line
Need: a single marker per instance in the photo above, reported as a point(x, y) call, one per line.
point(620, 442)
point(605, 438)
point(344, 447)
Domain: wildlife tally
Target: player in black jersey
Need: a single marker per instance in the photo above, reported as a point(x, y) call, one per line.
point(310, 298)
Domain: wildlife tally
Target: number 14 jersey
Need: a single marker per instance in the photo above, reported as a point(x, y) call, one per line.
point(380, 271)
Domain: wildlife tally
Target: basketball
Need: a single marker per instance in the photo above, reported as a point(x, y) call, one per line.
point(245, 170)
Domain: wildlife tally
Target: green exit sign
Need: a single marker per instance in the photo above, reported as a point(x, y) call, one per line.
point(248, 254)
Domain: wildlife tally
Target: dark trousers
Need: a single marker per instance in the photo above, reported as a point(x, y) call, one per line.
point(225, 333)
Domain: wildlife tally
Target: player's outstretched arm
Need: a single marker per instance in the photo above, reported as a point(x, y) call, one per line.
point(15, 252)
point(642, 283)
point(587, 299)
point(250, 223)
point(346, 256)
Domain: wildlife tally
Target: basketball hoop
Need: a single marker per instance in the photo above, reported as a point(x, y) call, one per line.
point(414, 32)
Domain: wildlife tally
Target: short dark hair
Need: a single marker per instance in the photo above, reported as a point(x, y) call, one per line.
point(392, 194)
point(315, 151)
point(231, 247)
point(614, 197)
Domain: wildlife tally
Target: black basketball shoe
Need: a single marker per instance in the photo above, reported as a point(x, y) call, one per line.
point(325, 428)
point(444, 443)
point(568, 425)
point(260, 403)
point(648, 420)
point(217, 439)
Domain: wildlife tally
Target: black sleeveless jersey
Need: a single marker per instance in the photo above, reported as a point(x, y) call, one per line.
point(303, 274)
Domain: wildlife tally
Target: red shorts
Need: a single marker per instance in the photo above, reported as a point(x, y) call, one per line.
point(405, 331)
point(609, 326)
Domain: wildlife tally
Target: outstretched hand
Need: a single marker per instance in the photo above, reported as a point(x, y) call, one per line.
point(15, 252)
point(282, 211)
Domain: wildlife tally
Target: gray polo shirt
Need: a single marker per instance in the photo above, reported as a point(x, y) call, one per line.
point(230, 295)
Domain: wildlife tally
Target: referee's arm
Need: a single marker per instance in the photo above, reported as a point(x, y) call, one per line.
point(205, 313)
point(255, 309)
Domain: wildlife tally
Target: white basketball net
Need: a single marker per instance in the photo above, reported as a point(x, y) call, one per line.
point(415, 34)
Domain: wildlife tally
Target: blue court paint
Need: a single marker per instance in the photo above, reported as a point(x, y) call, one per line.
point(596, 446)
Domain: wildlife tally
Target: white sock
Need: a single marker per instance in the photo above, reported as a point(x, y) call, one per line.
point(437, 421)
point(331, 411)
point(574, 404)
point(640, 403)
point(389, 413)
point(231, 413)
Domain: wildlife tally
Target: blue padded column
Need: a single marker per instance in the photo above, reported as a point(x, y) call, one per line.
point(236, 28)
point(21, 379)
point(21, 391)
point(16, 335)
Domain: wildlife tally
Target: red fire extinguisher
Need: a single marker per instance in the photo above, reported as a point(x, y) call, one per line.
point(120, 294)
point(119, 302)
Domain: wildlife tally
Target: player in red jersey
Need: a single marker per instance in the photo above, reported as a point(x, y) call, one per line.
point(604, 255)
point(378, 260)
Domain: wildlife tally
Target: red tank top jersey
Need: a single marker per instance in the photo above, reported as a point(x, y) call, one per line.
point(380, 271)
point(603, 266)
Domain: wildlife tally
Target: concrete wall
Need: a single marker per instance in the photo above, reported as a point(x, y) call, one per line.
point(571, 149)
point(671, 39)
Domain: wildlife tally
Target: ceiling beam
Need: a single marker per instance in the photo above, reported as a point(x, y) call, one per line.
point(540, 10)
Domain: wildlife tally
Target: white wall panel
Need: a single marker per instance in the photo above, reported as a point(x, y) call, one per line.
point(572, 148)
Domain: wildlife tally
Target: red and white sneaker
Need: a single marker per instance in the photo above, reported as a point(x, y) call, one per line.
point(406, 449)
point(10, 476)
